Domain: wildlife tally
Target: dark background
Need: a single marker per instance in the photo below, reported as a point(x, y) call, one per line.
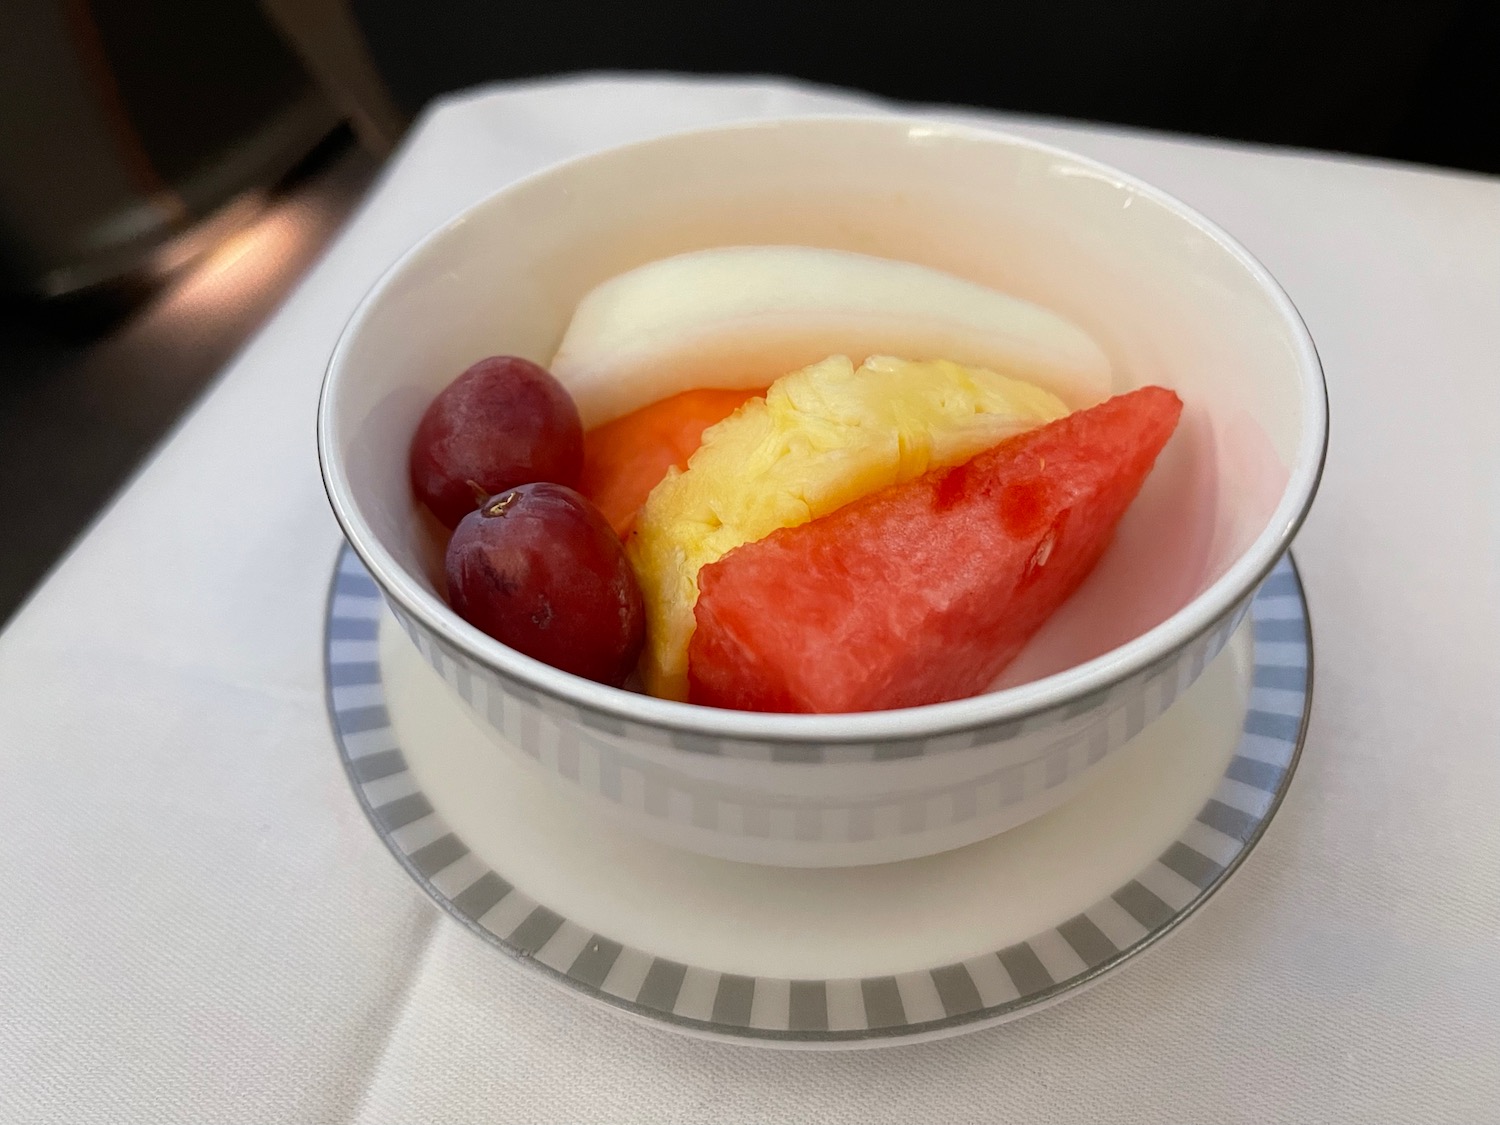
point(169, 168)
point(1409, 79)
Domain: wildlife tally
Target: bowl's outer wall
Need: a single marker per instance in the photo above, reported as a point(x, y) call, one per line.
point(1171, 299)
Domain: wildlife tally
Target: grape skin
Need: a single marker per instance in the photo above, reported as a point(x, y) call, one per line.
point(539, 569)
point(502, 423)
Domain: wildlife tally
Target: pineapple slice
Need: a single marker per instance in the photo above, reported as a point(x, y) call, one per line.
point(821, 437)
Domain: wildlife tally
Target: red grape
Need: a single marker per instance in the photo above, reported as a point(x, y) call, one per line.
point(503, 422)
point(539, 569)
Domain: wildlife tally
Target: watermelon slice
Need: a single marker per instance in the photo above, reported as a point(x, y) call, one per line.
point(924, 591)
point(625, 459)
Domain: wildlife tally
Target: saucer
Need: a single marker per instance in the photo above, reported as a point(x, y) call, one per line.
point(842, 957)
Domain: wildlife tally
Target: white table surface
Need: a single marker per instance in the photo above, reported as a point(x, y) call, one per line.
point(199, 926)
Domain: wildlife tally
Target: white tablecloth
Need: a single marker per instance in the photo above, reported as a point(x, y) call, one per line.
point(199, 926)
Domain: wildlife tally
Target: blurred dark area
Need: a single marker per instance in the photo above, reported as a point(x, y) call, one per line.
point(170, 168)
point(1407, 79)
point(91, 383)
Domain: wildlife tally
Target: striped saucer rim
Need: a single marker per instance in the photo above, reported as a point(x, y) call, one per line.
point(982, 990)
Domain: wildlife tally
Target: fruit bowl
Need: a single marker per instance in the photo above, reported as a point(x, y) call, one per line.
point(1170, 298)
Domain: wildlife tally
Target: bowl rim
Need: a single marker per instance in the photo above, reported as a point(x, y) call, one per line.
point(1014, 704)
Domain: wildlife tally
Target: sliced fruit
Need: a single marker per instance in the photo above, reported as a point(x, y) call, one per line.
point(625, 459)
point(752, 313)
point(820, 437)
point(924, 591)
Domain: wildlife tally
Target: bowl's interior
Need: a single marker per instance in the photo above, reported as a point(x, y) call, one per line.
point(1166, 299)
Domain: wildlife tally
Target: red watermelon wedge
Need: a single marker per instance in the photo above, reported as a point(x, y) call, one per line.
point(924, 591)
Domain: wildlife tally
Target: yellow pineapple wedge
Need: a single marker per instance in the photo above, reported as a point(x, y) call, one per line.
point(822, 437)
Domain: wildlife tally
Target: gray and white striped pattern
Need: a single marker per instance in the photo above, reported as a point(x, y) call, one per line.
point(1020, 764)
point(526, 716)
point(985, 989)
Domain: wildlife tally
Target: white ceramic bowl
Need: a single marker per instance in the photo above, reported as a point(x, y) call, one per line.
point(1170, 297)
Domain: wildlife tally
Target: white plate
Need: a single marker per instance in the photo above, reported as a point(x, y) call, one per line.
point(833, 957)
